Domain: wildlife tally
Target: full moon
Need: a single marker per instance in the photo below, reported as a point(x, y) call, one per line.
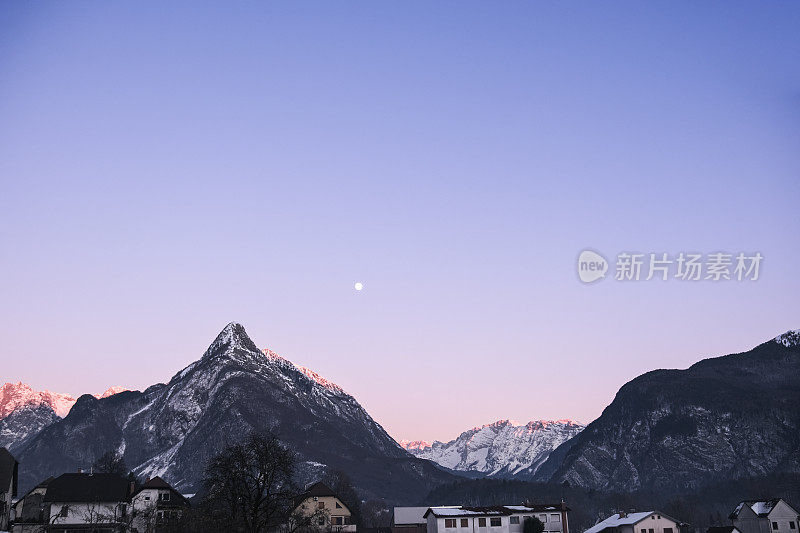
point(358, 286)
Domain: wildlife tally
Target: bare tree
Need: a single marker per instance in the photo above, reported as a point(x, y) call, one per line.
point(249, 485)
point(110, 463)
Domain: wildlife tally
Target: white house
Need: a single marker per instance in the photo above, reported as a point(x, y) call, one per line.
point(765, 516)
point(156, 505)
point(642, 522)
point(88, 502)
point(320, 505)
point(496, 519)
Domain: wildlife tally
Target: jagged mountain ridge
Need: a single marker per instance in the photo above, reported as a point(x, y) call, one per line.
point(723, 418)
point(24, 412)
point(172, 429)
point(502, 449)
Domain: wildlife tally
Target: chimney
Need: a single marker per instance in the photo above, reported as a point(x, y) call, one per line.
point(132, 487)
point(623, 514)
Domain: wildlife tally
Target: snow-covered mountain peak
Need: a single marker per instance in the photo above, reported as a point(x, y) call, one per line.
point(16, 395)
point(415, 445)
point(232, 338)
point(789, 339)
point(502, 448)
point(111, 391)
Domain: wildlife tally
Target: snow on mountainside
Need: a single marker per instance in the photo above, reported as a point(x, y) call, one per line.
point(172, 430)
point(503, 448)
point(16, 395)
point(722, 419)
point(24, 412)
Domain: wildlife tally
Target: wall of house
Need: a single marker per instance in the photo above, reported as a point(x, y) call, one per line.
point(656, 523)
point(85, 513)
point(780, 520)
point(334, 511)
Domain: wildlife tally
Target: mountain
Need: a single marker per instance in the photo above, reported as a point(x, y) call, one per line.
point(171, 430)
point(503, 448)
point(24, 412)
point(16, 395)
point(724, 418)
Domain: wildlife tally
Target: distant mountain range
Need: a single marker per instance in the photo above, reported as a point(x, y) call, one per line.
point(501, 449)
point(171, 430)
point(724, 418)
point(24, 412)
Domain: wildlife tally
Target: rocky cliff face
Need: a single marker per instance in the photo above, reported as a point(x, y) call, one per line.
point(504, 448)
point(171, 430)
point(723, 418)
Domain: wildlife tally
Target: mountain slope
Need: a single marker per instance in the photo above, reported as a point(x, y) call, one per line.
point(171, 430)
point(723, 418)
point(502, 449)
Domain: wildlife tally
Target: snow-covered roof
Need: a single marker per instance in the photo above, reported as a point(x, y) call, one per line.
point(494, 510)
point(615, 521)
point(759, 507)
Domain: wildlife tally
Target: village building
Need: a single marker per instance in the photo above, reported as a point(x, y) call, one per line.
point(30, 513)
point(88, 502)
point(156, 506)
point(641, 522)
point(496, 519)
point(9, 471)
point(765, 516)
point(323, 509)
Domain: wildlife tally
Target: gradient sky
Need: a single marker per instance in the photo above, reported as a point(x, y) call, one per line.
point(166, 168)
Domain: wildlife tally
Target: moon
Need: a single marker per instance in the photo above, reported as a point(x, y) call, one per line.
point(358, 286)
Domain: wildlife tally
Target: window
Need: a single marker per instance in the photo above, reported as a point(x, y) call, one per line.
point(147, 498)
point(164, 496)
point(649, 531)
point(465, 522)
point(514, 520)
point(659, 517)
point(321, 505)
point(338, 521)
point(644, 530)
point(555, 517)
point(667, 530)
point(774, 525)
point(449, 522)
point(791, 524)
point(652, 517)
point(481, 522)
point(543, 518)
point(495, 521)
point(338, 506)
point(123, 510)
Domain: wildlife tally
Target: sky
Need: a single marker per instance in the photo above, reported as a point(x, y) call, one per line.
point(169, 167)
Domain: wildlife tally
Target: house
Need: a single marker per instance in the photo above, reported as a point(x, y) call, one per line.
point(642, 522)
point(409, 520)
point(9, 469)
point(156, 506)
point(30, 512)
point(88, 502)
point(496, 519)
point(320, 506)
point(765, 516)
